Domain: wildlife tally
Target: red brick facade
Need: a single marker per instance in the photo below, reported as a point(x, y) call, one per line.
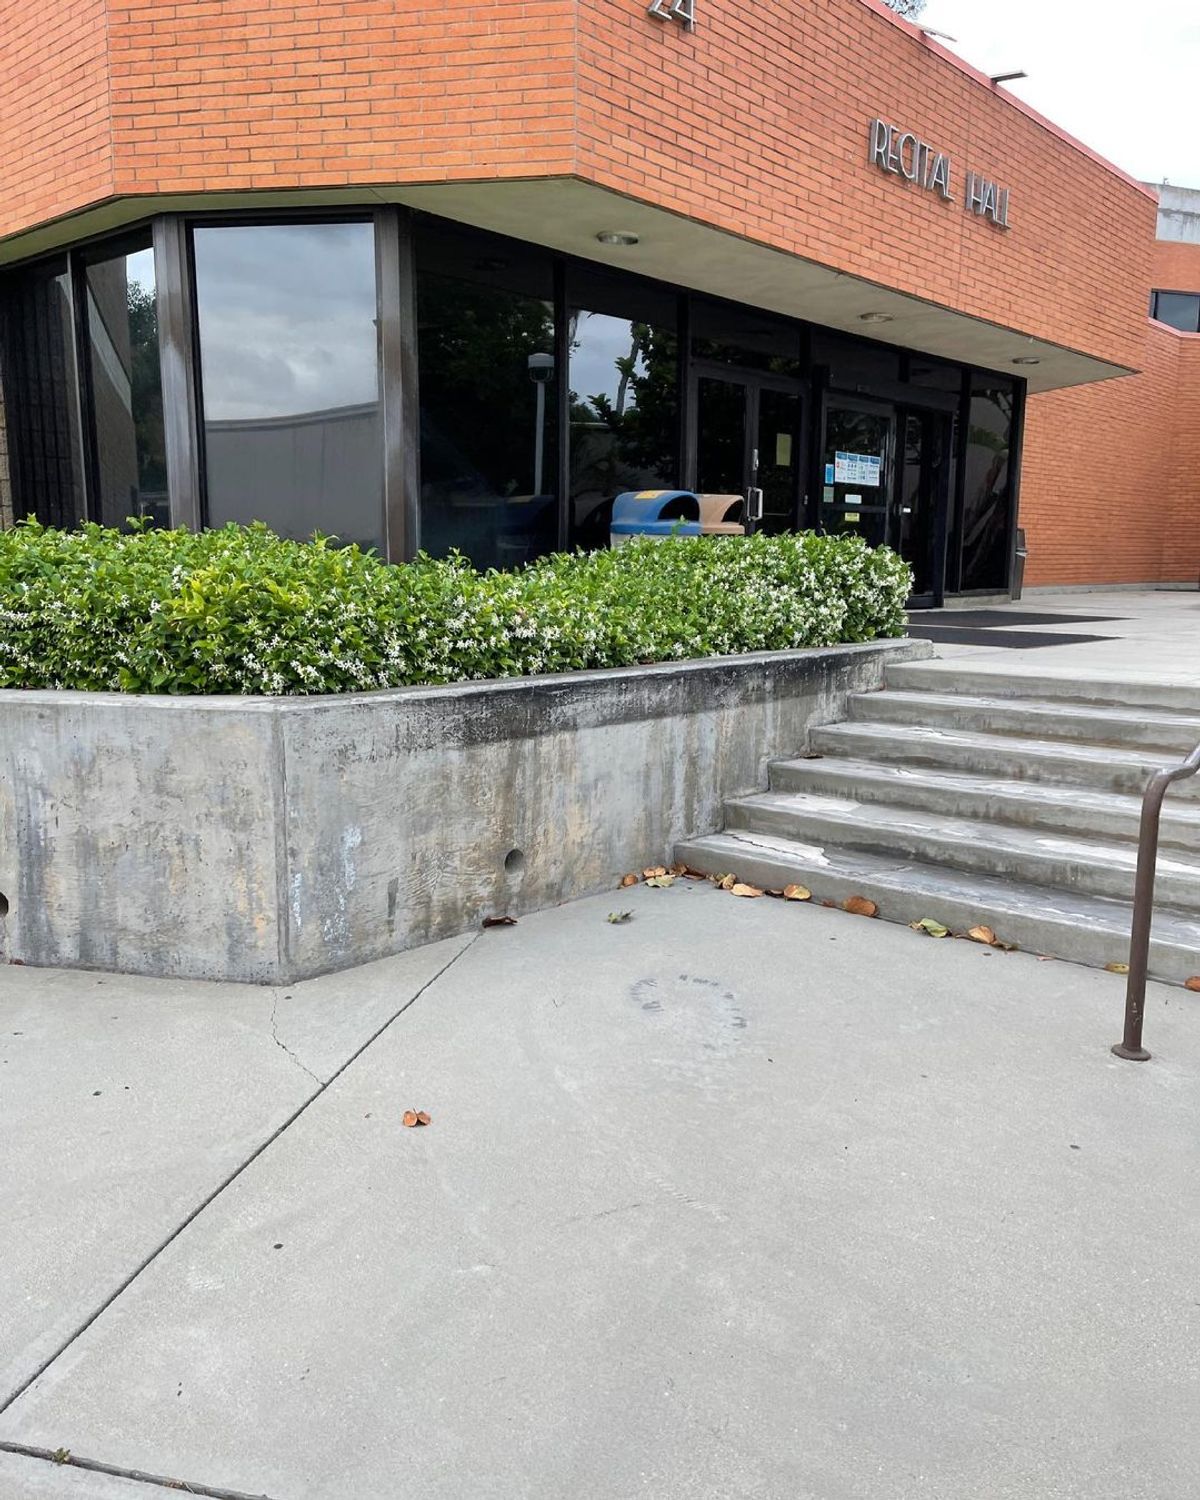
point(754, 123)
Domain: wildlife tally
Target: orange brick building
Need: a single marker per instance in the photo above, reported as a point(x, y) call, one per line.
point(457, 277)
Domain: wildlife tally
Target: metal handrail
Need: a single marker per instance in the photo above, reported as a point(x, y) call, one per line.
point(1130, 1046)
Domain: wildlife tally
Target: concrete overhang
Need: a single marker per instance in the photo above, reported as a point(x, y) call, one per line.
point(567, 213)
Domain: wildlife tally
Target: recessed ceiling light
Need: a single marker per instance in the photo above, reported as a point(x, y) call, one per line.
point(617, 237)
point(1026, 359)
point(876, 317)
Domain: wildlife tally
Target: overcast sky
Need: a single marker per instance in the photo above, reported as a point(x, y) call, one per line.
point(1122, 77)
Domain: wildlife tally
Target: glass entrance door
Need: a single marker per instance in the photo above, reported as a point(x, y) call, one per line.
point(859, 440)
point(748, 434)
point(887, 479)
point(922, 491)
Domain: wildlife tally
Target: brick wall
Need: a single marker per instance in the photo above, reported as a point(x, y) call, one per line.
point(1110, 489)
point(757, 121)
point(55, 136)
point(1175, 266)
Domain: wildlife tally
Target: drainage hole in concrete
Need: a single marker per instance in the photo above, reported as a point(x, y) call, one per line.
point(3, 905)
point(514, 862)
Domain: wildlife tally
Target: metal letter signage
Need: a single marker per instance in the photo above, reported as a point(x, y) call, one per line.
point(683, 11)
point(900, 153)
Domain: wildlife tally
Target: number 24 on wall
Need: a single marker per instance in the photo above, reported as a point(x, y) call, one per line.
point(683, 11)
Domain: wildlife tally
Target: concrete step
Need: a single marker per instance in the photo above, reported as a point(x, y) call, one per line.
point(1096, 724)
point(1062, 686)
point(1026, 804)
point(1065, 924)
point(1014, 757)
point(1060, 861)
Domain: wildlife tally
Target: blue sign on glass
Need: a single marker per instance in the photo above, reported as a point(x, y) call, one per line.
point(828, 473)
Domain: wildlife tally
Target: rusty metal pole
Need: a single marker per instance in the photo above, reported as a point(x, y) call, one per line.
point(1130, 1045)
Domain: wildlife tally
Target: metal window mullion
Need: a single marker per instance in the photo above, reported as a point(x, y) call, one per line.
point(395, 272)
point(178, 370)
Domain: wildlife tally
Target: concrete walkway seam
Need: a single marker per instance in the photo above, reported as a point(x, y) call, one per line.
point(220, 1188)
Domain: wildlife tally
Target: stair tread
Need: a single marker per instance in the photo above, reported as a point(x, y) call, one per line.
point(1157, 718)
point(978, 833)
point(965, 739)
point(989, 895)
point(894, 774)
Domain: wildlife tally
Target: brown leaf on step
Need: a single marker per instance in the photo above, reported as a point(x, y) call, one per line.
point(695, 874)
point(860, 906)
point(660, 882)
point(727, 882)
point(628, 880)
point(422, 1117)
point(982, 935)
point(1193, 983)
point(796, 893)
point(678, 870)
point(745, 890)
point(414, 1117)
point(1117, 968)
point(499, 921)
point(654, 872)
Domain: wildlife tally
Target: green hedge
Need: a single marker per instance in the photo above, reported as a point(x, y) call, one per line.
point(241, 610)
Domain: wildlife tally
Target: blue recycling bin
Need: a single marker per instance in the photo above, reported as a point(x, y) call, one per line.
point(659, 513)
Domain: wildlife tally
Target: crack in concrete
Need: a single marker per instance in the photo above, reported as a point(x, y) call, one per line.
point(138, 1476)
point(204, 1203)
point(283, 1046)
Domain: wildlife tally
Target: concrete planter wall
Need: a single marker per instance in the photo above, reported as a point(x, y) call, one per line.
point(271, 839)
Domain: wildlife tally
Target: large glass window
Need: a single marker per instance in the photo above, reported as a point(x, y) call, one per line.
point(1180, 309)
point(624, 397)
point(290, 377)
point(854, 365)
point(37, 346)
point(986, 510)
point(125, 385)
point(488, 383)
point(745, 336)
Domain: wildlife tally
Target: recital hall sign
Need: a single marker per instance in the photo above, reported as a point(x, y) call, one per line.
point(900, 153)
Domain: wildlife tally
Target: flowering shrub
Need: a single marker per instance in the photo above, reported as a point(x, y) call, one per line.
point(241, 610)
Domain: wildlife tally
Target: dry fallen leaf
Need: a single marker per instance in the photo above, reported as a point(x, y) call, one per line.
point(1193, 983)
point(678, 869)
point(654, 872)
point(982, 935)
point(499, 921)
point(628, 880)
point(796, 893)
point(745, 890)
point(930, 927)
point(860, 906)
point(660, 882)
point(1119, 969)
point(412, 1117)
point(727, 882)
point(620, 916)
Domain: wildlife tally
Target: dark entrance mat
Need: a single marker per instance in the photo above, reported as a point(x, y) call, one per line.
point(987, 619)
point(1017, 640)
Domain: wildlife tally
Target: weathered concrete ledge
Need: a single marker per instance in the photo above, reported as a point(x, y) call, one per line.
point(269, 839)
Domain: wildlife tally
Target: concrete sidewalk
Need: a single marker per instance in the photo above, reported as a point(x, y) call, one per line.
point(736, 1199)
point(1152, 635)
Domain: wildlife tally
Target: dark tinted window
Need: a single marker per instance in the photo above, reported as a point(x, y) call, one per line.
point(126, 388)
point(41, 396)
point(1180, 309)
point(744, 336)
point(853, 365)
point(290, 382)
point(488, 383)
point(985, 517)
point(624, 385)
